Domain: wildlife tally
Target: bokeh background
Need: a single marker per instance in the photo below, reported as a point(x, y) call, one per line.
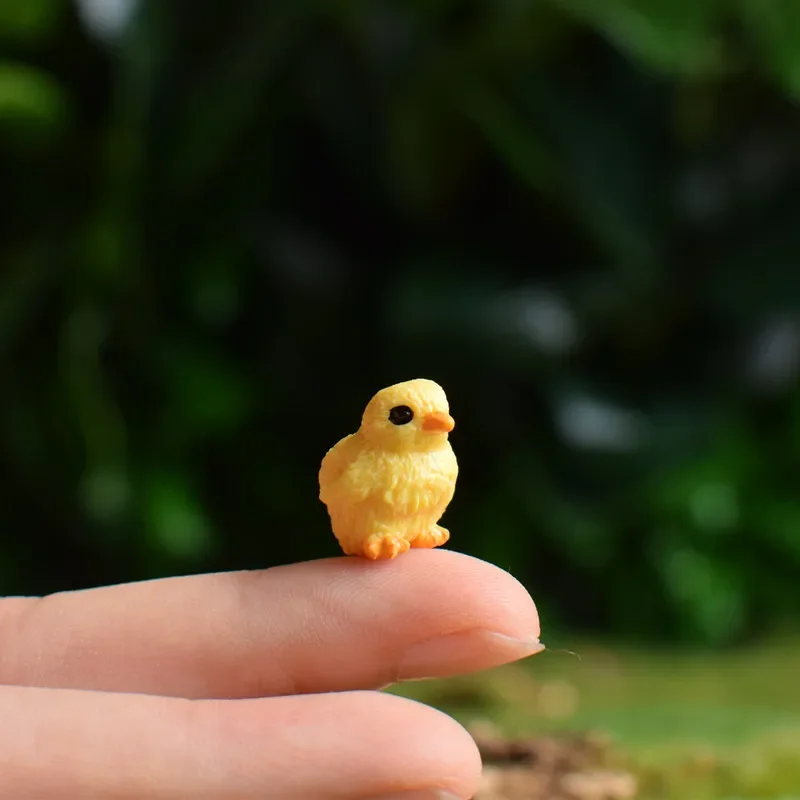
point(225, 225)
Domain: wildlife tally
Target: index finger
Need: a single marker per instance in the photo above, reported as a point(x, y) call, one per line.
point(328, 625)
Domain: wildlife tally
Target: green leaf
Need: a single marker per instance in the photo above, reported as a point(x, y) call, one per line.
point(709, 593)
point(215, 113)
point(513, 138)
point(29, 20)
point(779, 519)
point(32, 104)
point(671, 36)
point(106, 493)
point(209, 397)
point(610, 178)
point(775, 27)
point(174, 518)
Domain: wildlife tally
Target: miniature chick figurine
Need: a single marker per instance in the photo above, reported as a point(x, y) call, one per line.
point(387, 485)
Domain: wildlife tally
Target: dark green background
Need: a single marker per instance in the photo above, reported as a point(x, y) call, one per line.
point(224, 229)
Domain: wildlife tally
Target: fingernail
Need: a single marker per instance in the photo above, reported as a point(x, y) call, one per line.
point(468, 651)
point(421, 794)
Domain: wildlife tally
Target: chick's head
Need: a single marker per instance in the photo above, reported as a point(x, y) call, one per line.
point(413, 415)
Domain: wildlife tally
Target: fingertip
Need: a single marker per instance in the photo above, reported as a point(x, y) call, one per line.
point(475, 592)
point(444, 754)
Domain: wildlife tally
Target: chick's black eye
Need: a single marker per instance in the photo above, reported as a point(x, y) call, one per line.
point(401, 415)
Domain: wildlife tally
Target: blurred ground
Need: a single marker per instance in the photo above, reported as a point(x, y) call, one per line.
point(686, 725)
point(566, 768)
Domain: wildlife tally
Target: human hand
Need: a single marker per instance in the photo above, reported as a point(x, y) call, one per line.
point(253, 684)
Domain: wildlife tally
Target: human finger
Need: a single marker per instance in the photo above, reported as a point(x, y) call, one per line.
point(328, 625)
point(95, 745)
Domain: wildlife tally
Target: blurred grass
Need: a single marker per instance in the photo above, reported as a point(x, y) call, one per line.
point(690, 724)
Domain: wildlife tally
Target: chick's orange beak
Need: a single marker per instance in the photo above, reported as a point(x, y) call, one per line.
point(438, 421)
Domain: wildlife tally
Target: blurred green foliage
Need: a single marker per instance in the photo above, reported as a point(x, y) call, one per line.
point(227, 224)
point(705, 726)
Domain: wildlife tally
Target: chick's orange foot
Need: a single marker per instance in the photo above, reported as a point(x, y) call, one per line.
point(435, 537)
point(381, 546)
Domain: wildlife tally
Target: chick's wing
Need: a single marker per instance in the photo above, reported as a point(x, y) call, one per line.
point(340, 475)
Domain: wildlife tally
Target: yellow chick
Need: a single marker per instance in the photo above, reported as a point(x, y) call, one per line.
point(387, 485)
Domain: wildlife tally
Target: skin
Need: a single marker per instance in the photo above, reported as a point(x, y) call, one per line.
point(253, 684)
